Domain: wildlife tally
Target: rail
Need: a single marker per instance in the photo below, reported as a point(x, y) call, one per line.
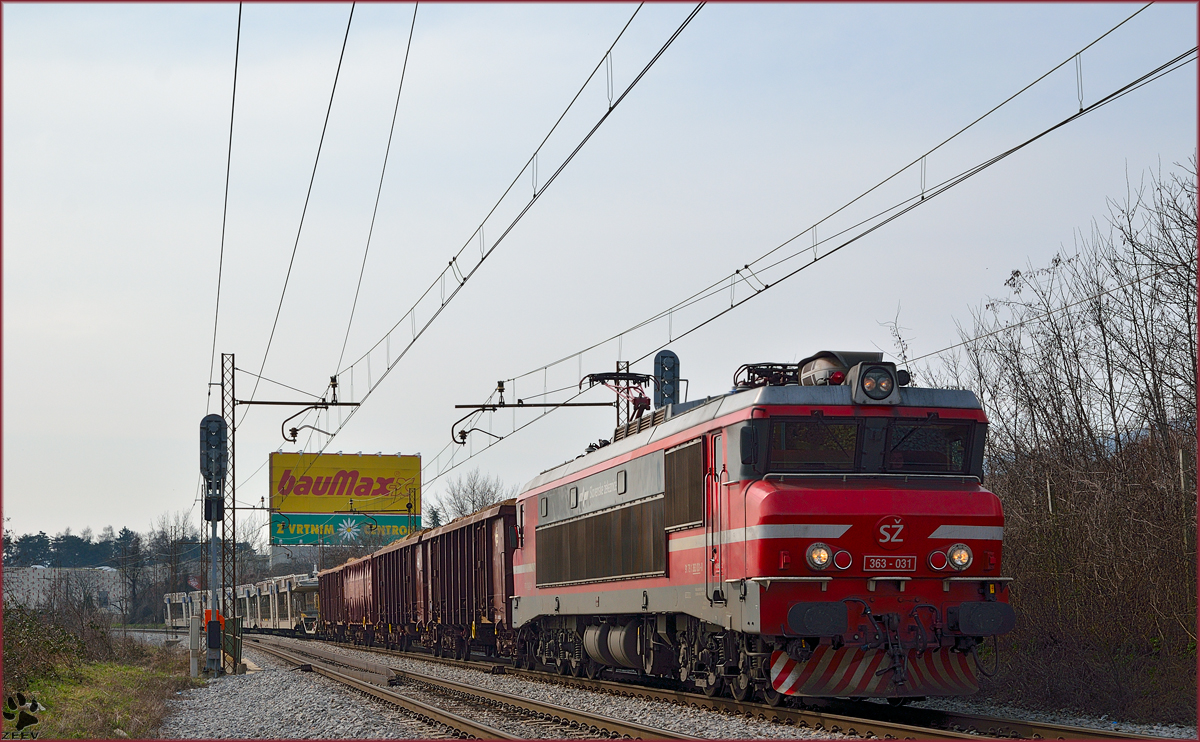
point(595, 723)
point(829, 715)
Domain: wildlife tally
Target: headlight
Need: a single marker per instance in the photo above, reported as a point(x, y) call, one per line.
point(960, 556)
point(877, 383)
point(819, 556)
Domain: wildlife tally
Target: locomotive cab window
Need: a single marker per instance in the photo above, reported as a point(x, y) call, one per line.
point(544, 507)
point(940, 447)
point(875, 445)
point(813, 445)
point(621, 482)
point(574, 498)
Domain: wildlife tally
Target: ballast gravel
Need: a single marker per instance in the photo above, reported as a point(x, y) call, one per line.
point(278, 703)
point(1066, 718)
point(693, 721)
point(281, 704)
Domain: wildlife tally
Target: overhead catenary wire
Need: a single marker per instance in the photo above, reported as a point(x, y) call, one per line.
point(237, 47)
point(904, 207)
point(717, 285)
point(279, 383)
point(379, 192)
point(452, 268)
point(417, 333)
point(912, 203)
point(956, 134)
point(304, 211)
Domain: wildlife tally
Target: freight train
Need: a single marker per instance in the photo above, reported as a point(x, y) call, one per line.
point(820, 530)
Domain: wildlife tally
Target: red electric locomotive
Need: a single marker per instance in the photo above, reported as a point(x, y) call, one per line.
point(819, 531)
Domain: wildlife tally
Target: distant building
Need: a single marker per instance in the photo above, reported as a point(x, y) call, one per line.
point(42, 587)
point(302, 558)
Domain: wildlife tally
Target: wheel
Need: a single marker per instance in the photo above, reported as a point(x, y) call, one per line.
point(579, 669)
point(742, 687)
point(713, 688)
point(593, 670)
point(898, 702)
point(773, 697)
point(563, 666)
point(466, 651)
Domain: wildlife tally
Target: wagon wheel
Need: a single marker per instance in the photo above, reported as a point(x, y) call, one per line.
point(466, 650)
point(742, 687)
point(773, 697)
point(593, 669)
point(579, 668)
point(563, 665)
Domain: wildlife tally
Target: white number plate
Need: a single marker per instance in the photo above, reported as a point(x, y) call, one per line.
point(889, 564)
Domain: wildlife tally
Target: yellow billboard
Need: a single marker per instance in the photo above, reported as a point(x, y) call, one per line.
point(344, 483)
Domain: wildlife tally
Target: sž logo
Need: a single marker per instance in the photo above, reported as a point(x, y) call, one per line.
point(890, 532)
point(343, 484)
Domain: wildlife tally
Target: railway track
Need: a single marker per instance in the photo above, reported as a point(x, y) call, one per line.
point(859, 727)
point(466, 710)
point(847, 717)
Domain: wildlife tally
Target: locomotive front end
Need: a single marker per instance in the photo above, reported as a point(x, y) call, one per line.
point(875, 549)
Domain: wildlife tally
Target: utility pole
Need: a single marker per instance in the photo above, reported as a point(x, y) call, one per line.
point(229, 522)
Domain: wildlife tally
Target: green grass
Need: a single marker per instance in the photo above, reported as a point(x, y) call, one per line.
point(136, 626)
point(96, 699)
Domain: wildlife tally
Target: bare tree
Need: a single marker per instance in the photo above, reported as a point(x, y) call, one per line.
point(472, 492)
point(1087, 370)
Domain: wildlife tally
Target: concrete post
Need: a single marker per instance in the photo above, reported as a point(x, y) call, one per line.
point(194, 644)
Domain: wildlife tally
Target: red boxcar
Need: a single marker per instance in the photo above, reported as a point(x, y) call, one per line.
point(446, 588)
point(464, 578)
point(332, 601)
point(362, 611)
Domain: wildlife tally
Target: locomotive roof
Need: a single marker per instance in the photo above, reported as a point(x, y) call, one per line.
point(682, 416)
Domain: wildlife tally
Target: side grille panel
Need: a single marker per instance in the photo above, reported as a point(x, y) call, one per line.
point(684, 485)
point(626, 542)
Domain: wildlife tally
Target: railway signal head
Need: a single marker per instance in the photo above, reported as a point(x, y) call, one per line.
point(214, 449)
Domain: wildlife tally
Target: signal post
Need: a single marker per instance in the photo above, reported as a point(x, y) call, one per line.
point(214, 464)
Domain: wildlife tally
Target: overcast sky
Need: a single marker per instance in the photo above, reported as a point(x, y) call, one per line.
point(759, 121)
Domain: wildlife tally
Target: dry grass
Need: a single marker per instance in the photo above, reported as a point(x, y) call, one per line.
point(108, 700)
